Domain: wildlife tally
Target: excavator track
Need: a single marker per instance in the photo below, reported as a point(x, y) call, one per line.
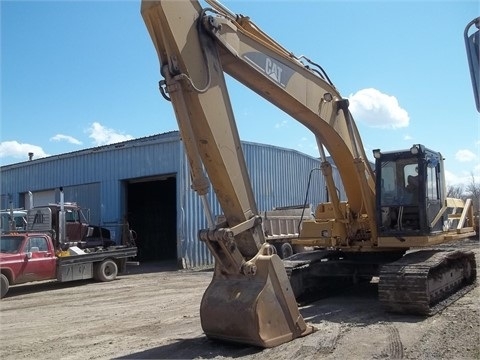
point(426, 281)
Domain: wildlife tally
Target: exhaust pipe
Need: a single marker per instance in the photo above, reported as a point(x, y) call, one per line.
point(30, 200)
point(61, 219)
point(11, 221)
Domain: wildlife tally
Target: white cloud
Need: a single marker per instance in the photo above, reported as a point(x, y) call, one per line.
point(407, 137)
point(379, 110)
point(463, 178)
point(17, 150)
point(103, 136)
point(67, 138)
point(308, 147)
point(281, 124)
point(465, 155)
point(476, 169)
point(451, 178)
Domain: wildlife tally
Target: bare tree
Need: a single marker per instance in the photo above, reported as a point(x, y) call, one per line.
point(455, 191)
point(473, 191)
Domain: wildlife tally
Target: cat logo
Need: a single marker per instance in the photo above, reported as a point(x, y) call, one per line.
point(273, 70)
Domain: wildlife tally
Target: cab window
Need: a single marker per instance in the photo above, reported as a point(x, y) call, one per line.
point(70, 216)
point(37, 242)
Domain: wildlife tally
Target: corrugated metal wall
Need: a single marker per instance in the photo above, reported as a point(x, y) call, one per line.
point(86, 195)
point(96, 178)
point(191, 218)
point(107, 166)
point(279, 178)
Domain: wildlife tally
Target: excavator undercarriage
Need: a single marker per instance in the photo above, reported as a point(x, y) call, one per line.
point(420, 282)
point(426, 281)
point(321, 273)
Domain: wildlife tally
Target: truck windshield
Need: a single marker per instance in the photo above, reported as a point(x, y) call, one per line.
point(18, 217)
point(10, 244)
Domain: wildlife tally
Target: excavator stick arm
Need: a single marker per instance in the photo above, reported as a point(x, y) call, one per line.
point(196, 85)
point(249, 299)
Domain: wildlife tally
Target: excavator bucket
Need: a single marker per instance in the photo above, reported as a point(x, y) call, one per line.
point(259, 310)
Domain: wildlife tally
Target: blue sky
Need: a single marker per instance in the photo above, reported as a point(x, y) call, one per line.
point(78, 74)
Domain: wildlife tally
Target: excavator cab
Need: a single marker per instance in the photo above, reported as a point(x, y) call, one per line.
point(409, 191)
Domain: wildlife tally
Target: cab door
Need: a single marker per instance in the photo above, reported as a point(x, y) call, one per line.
point(433, 194)
point(40, 261)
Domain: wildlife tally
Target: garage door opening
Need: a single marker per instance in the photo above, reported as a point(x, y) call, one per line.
point(151, 208)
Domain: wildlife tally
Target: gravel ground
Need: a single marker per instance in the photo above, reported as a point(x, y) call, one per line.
point(153, 313)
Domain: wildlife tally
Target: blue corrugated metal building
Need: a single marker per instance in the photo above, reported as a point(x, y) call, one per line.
point(147, 181)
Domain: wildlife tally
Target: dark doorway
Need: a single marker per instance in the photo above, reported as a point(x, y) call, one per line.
point(152, 213)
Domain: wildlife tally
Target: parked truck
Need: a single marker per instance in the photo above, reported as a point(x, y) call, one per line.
point(59, 246)
point(75, 228)
point(281, 227)
point(13, 219)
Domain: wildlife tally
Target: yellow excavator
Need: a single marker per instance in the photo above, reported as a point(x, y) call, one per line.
point(399, 207)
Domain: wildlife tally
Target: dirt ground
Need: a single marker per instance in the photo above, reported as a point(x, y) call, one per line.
point(153, 313)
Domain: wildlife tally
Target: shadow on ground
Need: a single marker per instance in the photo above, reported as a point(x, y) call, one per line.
point(200, 347)
point(150, 267)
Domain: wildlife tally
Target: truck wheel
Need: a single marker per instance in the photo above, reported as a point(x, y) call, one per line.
point(3, 285)
point(286, 250)
point(107, 270)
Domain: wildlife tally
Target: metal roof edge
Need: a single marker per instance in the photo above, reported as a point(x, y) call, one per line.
point(156, 138)
point(279, 148)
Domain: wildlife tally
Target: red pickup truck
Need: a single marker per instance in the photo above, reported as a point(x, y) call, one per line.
point(32, 256)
